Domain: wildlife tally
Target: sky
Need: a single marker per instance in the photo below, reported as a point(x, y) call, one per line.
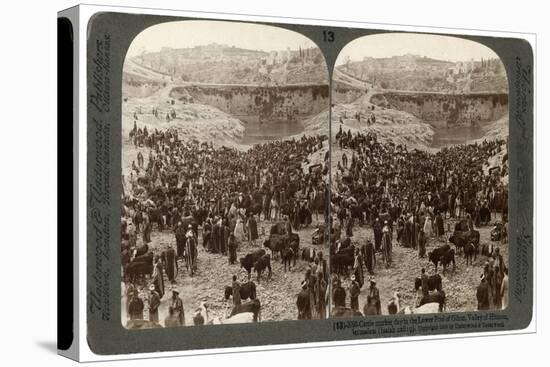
point(398, 44)
point(188, 34)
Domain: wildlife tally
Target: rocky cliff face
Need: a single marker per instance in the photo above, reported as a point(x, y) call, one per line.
point(270, 103)
point(447, 109)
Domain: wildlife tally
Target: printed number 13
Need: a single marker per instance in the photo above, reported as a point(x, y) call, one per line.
point(328, 36)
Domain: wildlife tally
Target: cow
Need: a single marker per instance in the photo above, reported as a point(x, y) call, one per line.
point(141, 250)
point(278, 228)
point(276, 243)
point(145, 258)
point(261, 264)
point(248, 261)
point(434, 283)
point(435, 255)
point(349, 251)
point(247, 290)
point(461, 226)
point(447, 258)
point(469, 252)
point(134, 270)
point(253, 306)
point(339, 263)
point(438, 297)
point(460, 239)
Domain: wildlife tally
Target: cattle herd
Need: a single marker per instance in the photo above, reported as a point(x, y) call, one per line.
point(195, 215)
point(401, 214)
point(400, 231)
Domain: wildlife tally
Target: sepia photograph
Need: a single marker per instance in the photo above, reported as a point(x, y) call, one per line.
point(419, 177)
point(225, 173)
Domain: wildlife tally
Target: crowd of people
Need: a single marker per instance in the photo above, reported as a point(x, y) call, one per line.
point(411, 196)
point(183, 185)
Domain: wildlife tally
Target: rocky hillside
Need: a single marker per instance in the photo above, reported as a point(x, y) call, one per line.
point(419, 73)
point(224, 64)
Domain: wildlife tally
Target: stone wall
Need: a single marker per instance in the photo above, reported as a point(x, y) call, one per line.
point(265, 102)
point(447, 109)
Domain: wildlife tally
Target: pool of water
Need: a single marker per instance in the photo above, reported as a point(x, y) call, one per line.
point(256, 132)
point(445, 136)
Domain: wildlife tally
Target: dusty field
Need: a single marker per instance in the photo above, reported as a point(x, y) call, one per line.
point(459, 285)
point(277, 295)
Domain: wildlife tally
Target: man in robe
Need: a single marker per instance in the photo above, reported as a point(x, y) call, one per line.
point(370, 257)
point(154, 303)
point(177, 305)
point(158, 278)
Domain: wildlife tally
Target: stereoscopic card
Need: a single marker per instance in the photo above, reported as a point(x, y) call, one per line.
point(244, 183)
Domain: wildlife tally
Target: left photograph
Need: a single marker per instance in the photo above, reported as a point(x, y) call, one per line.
point(225, 162)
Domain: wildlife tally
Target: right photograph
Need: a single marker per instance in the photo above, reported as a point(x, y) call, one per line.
point(419, 177)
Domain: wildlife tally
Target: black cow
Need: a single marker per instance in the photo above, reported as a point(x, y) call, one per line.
point(247, 290)
point(461, 226)
point(249, 306)
point(447, 258)
point(461, 239)
point(276, 243)
point(145, 258)
point(277, 228)
point(339, 263)
point(436, 254)
point(141, 250)
point(261, 264)
point(348, 251)
point(279, 243)
point(434, 283)
point(250, 259)
point(437, 297)
point(134, 270)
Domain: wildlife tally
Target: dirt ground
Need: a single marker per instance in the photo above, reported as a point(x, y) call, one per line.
point(460, 284)
point(277, 295)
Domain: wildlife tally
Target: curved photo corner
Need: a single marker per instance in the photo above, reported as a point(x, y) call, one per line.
point(224, 174)
point(419, 176)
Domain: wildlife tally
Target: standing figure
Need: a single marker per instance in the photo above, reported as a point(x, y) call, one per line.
point(158, 278)
point(232, 246)
point(154, 303)
point(252, 229)
point(236, 287)
point(303, 302)
point(374, 296)
point(354, 290)
point(421, 243)
point(370, 257)
point(177, 306)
